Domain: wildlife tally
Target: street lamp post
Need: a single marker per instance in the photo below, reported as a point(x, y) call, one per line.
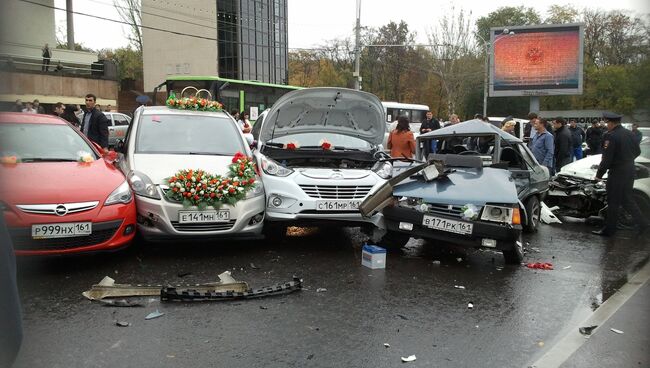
point(487, 46)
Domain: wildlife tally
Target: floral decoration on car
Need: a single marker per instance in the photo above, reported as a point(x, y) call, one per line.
point(325, 144)
point(193, 103)
point(202, 189)
point(469, 212)
point(85, 157)
point(9, 159)
point(291, 146)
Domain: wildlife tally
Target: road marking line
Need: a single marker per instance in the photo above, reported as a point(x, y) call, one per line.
point(563, 349)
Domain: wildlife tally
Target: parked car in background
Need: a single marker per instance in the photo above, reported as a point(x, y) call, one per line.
point(58, 195)
point(318, 151)
point(577, 194)
point(162, 141)
point(486, 189)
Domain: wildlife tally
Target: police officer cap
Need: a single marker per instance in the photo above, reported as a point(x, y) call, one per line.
point(611, 116)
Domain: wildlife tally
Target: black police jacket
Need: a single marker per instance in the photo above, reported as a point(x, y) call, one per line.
point(619, 150)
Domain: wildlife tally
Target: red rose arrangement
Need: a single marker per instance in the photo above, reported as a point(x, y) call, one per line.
point(193, 103)
point(325, 144)
point(292, 146)
point(198, 188)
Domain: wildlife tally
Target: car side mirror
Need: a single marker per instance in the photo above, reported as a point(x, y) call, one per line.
point(119, 146)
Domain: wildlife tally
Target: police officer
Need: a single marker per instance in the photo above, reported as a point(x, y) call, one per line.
point(619, 152)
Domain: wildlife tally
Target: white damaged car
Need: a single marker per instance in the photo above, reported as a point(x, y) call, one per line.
point(318, 150)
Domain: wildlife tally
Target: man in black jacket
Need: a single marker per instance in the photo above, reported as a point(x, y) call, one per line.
point(563, 144)
point(594, 138)
point(95, 123)
point(577, 137)
point(619, 152)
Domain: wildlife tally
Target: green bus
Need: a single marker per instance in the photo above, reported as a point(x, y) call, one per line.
point(233, 94)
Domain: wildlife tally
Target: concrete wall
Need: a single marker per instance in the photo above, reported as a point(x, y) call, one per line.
point(49, 88)
point(171, 54)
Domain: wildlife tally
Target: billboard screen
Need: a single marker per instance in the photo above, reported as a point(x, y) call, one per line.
point(536, 60)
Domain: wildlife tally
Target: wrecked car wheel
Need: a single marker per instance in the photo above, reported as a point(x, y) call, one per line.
point(274, 231)
point(394, 240)
point(514, 254)
point(533, 213)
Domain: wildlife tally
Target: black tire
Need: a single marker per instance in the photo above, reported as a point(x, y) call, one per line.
point(533, 214)
point(274, 231)
point(394, 240)
point(626, 220)
point(515, 253)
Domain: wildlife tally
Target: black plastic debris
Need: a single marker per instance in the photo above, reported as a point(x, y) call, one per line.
point(122, 324)
point(183, 274)
point(587, 330)
point(193, 295)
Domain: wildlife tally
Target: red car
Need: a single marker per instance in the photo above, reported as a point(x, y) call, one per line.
point(57, 193)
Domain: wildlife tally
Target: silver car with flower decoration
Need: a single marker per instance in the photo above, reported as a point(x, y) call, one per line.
point(475, 185)
point(318, 150)
point(179, 163)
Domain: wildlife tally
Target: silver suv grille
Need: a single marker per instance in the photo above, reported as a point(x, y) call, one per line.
point(336, 191)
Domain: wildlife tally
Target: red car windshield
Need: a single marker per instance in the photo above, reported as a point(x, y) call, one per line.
point(42, 142)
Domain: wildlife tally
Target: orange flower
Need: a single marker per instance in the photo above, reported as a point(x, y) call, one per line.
point(9, 160)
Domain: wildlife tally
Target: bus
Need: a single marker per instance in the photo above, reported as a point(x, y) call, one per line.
point(415, 113)
point(234, 94)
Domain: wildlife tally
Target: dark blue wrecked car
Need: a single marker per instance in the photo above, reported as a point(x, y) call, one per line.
point(471, 184)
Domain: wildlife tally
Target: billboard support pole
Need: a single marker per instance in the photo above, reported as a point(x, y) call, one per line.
point(534, 104)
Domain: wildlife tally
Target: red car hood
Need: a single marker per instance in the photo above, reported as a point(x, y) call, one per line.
point(58, 182)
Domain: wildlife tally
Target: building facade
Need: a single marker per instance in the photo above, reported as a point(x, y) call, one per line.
point(237, 39)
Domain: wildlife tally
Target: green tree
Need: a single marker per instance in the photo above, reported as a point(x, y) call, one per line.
point(562, 14)
point(128, 61)
point(504, 17)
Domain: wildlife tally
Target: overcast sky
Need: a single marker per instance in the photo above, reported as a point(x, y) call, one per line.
point(312, 22)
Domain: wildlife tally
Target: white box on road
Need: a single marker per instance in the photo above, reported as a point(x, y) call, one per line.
point(373, 256)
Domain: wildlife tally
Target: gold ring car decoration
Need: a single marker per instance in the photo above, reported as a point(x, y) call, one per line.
point(194, 102)
point(201, 189)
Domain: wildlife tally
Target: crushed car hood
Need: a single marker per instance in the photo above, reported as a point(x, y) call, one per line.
point(326, 110)
point(462, 186)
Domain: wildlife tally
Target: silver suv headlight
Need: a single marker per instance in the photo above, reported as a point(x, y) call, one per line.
point(383, 169)
point(497, 214)
point(142, 185)
point(257, 190)
point(121, 194)
point(271, 167)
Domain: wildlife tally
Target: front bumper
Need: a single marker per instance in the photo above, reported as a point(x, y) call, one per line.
point(299, 207)
point(158, 220)
point(503, 234)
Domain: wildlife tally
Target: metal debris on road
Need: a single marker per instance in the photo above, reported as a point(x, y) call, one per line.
point(436, 263)
point(183, 274)
point(386, 345)
point(617, 331)
point(547, 216)
point(254, 267)
point(540, 265)
point(402, 317)
point(566, 267)
point(470, 305)
point(122, 324)
point(193, 295)
point(107, 288)
point(459, 259)
point(410, 358)
point(153, 315)
point(263, 307)
point(534, 249)
point(321, 290)
point(120, 303)
point(459, 287)
point(587, 330)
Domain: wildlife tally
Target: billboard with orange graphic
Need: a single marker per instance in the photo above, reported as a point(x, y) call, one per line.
point(536, 60)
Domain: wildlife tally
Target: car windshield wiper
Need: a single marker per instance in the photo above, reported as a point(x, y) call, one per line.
point(44, 159)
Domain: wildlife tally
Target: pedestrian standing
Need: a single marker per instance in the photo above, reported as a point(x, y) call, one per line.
point(95, 123)
point(577, 137)
point(509, 127)
point(529, 131)
point(429, 125)
point(37, 106)
point(594, 138)
point(619, 152)
point(542, 144)
point(563, 145)
point(29, 108)
point(638, 136)
point(59, 109)
point(69, 115)
point(235, 114)
point(18, 106)
point(244, 123)
point(401, 141)
point(46, 58)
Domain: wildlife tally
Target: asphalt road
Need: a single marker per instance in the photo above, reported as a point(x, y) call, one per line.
point(411, 305)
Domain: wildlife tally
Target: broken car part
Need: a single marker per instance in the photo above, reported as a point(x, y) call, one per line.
point(194, 295)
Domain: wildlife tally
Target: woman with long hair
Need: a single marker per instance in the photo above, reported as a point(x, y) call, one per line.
point(70, 116)
point(401, 141)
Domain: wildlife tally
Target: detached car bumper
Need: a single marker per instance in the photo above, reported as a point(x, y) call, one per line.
point(503, 234)
point(158, 219)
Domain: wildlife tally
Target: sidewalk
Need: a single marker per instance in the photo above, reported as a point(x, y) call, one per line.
point(628, 310)
point(606, 348)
